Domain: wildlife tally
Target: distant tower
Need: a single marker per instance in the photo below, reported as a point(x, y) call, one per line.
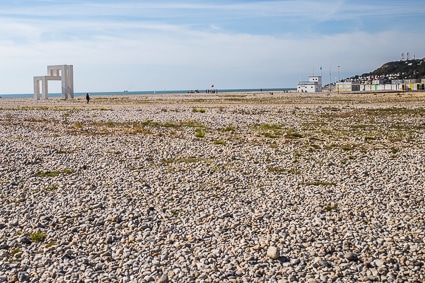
point(402, 56)
point(407, 56)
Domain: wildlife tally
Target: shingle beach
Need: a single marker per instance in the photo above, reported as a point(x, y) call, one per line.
point(230, 187)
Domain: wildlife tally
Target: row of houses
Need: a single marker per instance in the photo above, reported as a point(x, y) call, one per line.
point(314, 84)
point(379, 85)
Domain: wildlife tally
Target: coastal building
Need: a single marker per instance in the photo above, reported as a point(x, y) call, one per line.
point(314, 84)
point(348, 86)
point(413, 84)
point(377, 87)
point(380, 85)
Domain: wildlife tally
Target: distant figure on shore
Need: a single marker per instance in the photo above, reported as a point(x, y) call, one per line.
point(87, 98)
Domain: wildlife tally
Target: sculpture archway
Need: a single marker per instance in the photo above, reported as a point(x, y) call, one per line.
point(64, 73)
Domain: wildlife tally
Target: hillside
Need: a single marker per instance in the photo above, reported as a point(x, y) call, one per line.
point(407, 69)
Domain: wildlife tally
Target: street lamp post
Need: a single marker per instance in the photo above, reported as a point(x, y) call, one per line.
point(338, 73)
point(330, 79)
point(338, 78)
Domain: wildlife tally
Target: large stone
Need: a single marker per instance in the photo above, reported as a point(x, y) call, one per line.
point(379, 263)
point(25, 240)
point(164, 278)
point(273, 252)
point(351, 256)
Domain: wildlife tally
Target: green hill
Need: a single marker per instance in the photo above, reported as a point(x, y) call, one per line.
point(408, 69)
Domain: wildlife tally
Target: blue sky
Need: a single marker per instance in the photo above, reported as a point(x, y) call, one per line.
point(167, 45)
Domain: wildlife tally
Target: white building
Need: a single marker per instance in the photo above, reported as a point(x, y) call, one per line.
point(348, 86)
point(379, 85)
point(314, 84)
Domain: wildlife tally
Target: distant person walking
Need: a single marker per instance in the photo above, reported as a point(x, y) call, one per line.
point(87, 98)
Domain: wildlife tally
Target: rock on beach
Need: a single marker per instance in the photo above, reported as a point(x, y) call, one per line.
point(273, 252)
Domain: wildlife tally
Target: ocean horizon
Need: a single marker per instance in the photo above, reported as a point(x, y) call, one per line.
point(144, 92)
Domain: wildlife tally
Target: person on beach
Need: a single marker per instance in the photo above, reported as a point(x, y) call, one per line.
point(87, 98)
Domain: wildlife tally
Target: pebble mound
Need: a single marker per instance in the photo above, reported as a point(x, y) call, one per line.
point(238, 193)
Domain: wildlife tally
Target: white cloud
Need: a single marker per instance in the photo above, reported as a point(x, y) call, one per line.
point(136, 46)
point(193, 61)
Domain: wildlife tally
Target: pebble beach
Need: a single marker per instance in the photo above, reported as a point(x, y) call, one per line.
point(228, 187)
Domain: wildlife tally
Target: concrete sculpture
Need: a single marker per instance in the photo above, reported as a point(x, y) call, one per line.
point(64, 73)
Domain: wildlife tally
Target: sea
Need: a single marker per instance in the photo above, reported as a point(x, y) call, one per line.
point(146, 92)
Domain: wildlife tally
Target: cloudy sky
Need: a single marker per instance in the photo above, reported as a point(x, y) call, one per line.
point(132, 45)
